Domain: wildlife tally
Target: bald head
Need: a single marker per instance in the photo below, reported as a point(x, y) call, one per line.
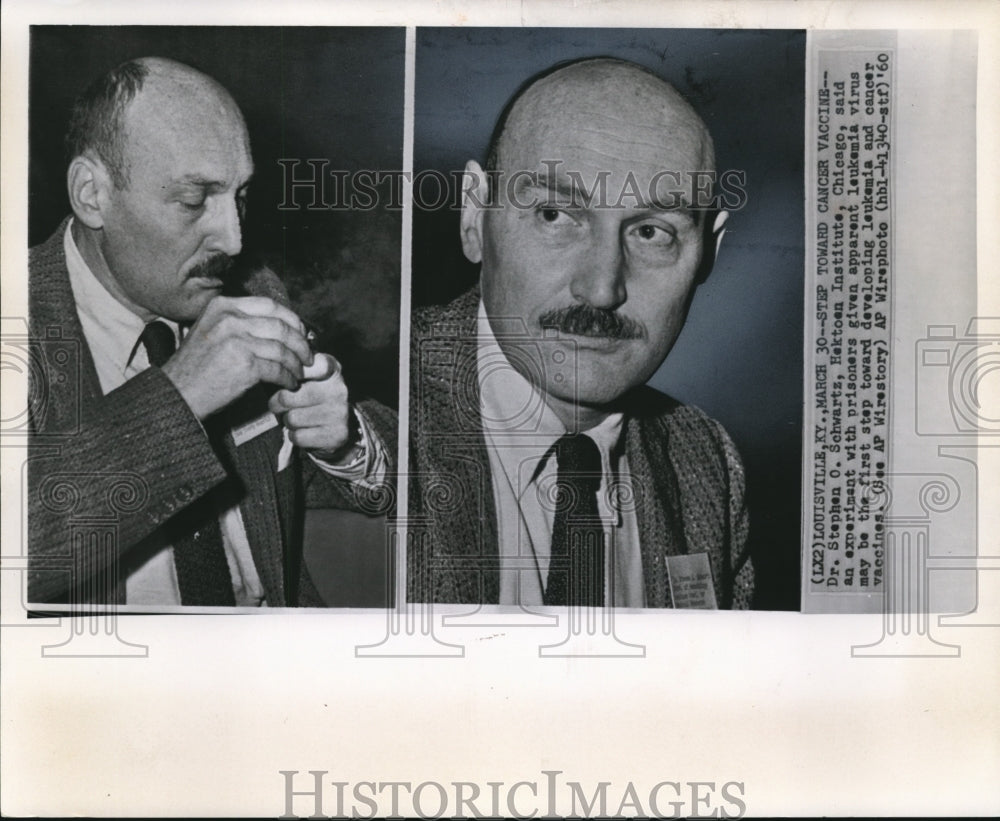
point(596, 106)
point(158, 175)
point(176, 90)
point(586, 224)
point(146, 94)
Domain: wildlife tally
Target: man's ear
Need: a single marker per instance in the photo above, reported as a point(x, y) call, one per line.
point(475, 194)
point(718, 229)
point(87, 182)
point(715, 228)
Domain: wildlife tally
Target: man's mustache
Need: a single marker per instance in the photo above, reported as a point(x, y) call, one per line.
point(586, 320)
point(216, 266)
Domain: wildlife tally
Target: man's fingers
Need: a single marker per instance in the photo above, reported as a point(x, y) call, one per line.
point(316, 414)
point(258, 317)
point(273, 351)
point(228, 318)
point(323, 367)
point(318, 438)
point(234, 344)
point(285, 400)
point(277, 404)
point(271, 328)
point(310, 394)
point(313, 416)
point(275, 372)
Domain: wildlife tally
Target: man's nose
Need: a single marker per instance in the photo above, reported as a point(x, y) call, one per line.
point(600, 275)
point(226, 232)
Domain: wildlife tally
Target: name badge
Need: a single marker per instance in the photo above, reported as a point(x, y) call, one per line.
point(690, 580)
point(254, 428)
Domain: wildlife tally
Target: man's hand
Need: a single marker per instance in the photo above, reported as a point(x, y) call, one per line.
point(236, 343)
point(317, 414)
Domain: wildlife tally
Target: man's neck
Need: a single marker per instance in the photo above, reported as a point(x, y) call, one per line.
point(88, 243)
point(577, 418)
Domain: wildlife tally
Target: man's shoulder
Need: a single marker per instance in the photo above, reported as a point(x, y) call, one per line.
point(453, 319)
point(649, 404)
point(50, 252)
point(50, 297)
point(663, 415)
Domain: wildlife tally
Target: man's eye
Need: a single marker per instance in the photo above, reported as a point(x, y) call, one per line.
point(195, 205)
point(554, 216)
point(648, 232)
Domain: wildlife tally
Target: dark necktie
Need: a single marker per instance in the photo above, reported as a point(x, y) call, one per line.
point(576, 563)
point(199, 555)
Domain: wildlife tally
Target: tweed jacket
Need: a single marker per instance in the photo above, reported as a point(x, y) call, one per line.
point(105, 472)
point(688, 479)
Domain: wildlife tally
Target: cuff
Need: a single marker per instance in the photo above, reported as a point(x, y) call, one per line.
point(369, 463)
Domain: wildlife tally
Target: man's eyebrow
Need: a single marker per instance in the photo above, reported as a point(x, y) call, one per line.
point(204, 182)
point(543, 181)
point(570, 189)
point(199, 181)
point(680, 207)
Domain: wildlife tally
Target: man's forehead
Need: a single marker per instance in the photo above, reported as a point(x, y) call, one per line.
point(683, 195)
point(184, 103)
point(197, 136)
point(601, 142)
point(633, 168)
point(605, 113)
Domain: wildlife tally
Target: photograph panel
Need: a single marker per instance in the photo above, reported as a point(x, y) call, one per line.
point(739, 356)
point(195, 162)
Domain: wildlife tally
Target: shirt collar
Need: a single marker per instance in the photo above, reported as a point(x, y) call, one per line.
point(516, 418)
point(116, 327)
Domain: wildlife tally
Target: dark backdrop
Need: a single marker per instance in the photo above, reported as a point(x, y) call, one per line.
point(306, 93)
point(336, 94)
point(740, 355)
point(331, 94)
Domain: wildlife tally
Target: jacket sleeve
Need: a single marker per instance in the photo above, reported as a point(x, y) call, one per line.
point(326, 491)
point(740, 566)
point(138, 456)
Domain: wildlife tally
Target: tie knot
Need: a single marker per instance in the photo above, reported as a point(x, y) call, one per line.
point(158, 338)
point(576, 453)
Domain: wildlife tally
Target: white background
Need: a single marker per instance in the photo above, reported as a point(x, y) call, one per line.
point(222, 703)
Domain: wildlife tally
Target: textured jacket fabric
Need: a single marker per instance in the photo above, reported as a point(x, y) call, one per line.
point(105, 472)
point(686, 473)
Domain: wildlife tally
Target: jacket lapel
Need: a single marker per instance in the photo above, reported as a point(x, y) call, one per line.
point(456, 492)
point(52, 317)
point(52, 314)
point(658, 507)
point(255, 463)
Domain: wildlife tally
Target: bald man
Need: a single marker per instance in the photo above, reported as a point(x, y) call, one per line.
point(177, 475)
point(545, 472)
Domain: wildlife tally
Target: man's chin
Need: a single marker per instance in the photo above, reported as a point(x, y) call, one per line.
point(196, 302)
point(589, 394)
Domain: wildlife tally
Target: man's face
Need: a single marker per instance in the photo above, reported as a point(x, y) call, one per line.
point(613, 276)
point(169, 235)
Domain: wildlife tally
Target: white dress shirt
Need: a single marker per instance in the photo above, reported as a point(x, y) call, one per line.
point(112, 332)
point(520, 430)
